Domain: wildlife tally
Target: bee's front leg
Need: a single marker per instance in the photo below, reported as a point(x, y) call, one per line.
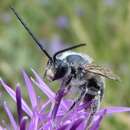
point(77, 101)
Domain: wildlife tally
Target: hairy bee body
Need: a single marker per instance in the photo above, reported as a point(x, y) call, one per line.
point(90, 85)
point(93, 83)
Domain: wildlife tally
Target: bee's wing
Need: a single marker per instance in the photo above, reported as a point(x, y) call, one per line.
point(100, 70)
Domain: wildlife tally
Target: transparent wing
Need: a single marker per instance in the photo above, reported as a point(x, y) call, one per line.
point(101, 70)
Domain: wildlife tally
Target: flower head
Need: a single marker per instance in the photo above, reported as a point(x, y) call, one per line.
point(50, 115)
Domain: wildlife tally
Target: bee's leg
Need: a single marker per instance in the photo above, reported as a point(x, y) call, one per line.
point(67, 85)
point(76, 102)
point(78, 99)
point(93, 109)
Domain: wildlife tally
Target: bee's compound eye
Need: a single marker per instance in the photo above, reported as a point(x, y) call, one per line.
point(60, 70)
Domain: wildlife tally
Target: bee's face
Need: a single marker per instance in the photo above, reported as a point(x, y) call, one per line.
point(55, 70)
point(50, 70)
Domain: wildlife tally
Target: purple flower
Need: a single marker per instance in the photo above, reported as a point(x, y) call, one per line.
point(56, 44)
point(109, 2)
point(62, 22)
point(51, 114)
point(5, 17)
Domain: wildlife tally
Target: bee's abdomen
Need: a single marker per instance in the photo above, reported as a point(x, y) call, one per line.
point(92, 83)
point(95, 86)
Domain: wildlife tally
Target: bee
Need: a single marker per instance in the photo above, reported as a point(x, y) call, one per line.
point(76, 70)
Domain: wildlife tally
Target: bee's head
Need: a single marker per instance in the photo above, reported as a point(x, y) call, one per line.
point(55, 68)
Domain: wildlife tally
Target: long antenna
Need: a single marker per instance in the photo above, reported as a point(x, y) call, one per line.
point(67, 49)
point(31, 34)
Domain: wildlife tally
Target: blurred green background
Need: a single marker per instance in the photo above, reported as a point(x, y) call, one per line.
point(104, 25)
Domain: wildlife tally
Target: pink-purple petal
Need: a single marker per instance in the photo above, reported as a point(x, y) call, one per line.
point(97, 123)
point(12, 120)
point(43, 107)
point(64, 127)
point(84, 105)
point(58, 99)
point(11, 92)
point(76, 124)
point(35, 123)
point(23, 123)
point(19, 104)
point(31, 92)
point(45, 89)
point(113, 110)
